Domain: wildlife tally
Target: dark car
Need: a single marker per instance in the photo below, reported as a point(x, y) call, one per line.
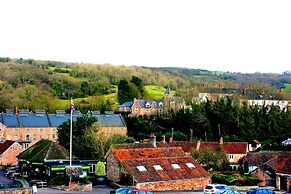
point(261, 191)
point(129, 190)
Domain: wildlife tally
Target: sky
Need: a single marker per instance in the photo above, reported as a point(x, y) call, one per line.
point(244, 36)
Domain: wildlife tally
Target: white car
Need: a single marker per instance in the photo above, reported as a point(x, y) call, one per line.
point(215, 188)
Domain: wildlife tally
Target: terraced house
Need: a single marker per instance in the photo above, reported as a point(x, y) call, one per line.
point(27, 128)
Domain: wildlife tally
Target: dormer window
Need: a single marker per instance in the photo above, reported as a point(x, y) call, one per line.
point(161, 104)
point(148, 105)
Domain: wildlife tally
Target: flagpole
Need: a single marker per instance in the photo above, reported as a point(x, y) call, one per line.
point(71, 134)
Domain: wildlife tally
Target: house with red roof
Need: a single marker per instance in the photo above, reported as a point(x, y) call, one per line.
point(283, 171)
point(156, 168)
point(8, 152)
point(234, 150)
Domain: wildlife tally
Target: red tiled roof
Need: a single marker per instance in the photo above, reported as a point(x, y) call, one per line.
point(262, 158)
point(227, 147)
point(5, 146)
point(187, 146)
point(167, 173)
point(284, 163)
point(142, 153)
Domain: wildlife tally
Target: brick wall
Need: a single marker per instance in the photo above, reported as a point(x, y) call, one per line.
point(8, 158)
point(192, 184)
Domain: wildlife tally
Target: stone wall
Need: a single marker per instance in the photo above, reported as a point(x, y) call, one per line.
point(8, 158)
point(16, 191)
point(191, 184)
point(112, 168)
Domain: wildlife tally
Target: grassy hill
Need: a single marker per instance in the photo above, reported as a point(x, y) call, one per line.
point(49, 85)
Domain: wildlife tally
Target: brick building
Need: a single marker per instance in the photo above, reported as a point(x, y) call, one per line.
point(27, 128)
point(156, 168)
point(8, 152)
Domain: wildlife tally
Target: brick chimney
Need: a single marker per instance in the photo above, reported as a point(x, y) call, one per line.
point(153, 140)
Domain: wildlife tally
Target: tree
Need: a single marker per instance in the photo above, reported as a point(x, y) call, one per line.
point(80, 150)
point(211, 159)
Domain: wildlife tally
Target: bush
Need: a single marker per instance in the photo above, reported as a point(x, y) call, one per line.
point(57, 180)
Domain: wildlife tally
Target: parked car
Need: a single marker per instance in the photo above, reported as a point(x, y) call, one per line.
point(12, 172)
point(129, 190)
point(231, 191)
point(261, 191)
point(215, 188)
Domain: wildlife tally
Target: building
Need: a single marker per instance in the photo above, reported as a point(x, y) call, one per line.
point(8, 152)
point(27, 128)
point(234, 150)
point(152, 107)
point(165, 168)
point(45, 159)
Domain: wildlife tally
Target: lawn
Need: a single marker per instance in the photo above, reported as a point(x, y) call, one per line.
point(154, 92)
point(287, 88)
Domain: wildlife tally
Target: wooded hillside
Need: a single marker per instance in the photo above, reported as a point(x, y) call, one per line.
point(30, 84)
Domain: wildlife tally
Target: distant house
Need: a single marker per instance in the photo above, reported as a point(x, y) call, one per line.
point(155, 166)
point(8, 152)
point(27, 128)
point(234, 150)
point(152, 107)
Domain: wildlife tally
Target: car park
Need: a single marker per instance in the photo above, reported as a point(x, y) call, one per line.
point(261, 190)
point(215, 188)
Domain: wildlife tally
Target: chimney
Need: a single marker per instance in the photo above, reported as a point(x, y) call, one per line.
point(280, 90)
point(153, 140)
point(191, 135)
point(198, 144)
point(163, 139)
point(170, 140)
point(221, 140)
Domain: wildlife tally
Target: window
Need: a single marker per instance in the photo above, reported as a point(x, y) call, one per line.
point(34, 137)
point(15, 137)
point(141, 168)
point(27, 138)
point(27, 130)
point(231, 156)
point(8, 137)
point(54, 129)
point(148, 105)
point(53, 137)
point(40, 136)
point(47, 136)
point(136, 110)
point(158, 167)
point(176, 166)
point(15, 130)
point(40, 129)
point(92, 168)
point(190, 165)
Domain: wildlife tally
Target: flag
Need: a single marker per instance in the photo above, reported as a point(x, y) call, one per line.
point(72, 106)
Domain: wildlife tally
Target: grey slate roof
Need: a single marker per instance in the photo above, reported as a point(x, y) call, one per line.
point(55, 120)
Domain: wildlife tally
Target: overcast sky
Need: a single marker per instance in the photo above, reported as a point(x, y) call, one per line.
point(228, 35)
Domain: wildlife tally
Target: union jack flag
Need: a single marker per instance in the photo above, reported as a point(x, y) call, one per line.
point(72, 106)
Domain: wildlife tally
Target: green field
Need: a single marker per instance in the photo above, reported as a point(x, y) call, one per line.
point(287, 88)
point(154, 92)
